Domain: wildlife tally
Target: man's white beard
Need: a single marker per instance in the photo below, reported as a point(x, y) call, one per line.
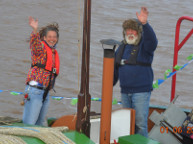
point(131, 41)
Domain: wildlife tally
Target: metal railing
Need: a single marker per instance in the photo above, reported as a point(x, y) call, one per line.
point(177, 47)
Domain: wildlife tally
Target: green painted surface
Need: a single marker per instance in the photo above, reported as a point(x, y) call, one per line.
point(78, 138)
point(51, 120)
point(23, 125)
point(136, 139)
point(30, 140)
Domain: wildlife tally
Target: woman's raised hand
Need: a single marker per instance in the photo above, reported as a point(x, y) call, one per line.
point(33, 23)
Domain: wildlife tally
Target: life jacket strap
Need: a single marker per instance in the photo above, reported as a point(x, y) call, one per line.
point(39, 65)
point(132, 59)
point(43, 66)
point(124, 62)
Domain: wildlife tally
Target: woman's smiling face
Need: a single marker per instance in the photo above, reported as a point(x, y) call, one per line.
point(51, 38)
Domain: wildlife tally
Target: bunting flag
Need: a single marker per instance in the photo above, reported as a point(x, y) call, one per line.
point(168, 73)
point(57, 98)
point(12, 92)
point(74, 100)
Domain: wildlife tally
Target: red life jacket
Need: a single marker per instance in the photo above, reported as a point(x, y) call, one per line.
point(48, 65)
point(49, 59)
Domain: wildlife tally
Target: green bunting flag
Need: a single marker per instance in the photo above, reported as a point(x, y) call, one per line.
point(114, 101)
point(155, 84)
point(57, 98)
point(14, 93)
point(190, 57)
point(74, 101)
point(167, 72)
point(95, 99)
point(177, 67)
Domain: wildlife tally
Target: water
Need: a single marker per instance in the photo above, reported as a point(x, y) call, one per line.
point(107, 17)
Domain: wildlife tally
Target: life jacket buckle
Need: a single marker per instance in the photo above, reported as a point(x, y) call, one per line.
point(122, 62)
point(54, 70)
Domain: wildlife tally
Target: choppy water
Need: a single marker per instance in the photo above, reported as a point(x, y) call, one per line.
point(107, 17)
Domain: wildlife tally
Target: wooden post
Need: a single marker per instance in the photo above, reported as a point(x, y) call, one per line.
point(84, 98)
point(107, 91)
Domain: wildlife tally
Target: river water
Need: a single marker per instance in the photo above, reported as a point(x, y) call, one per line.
point(107, 17)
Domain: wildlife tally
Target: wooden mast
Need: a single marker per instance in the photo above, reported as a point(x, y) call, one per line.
point(84, 98)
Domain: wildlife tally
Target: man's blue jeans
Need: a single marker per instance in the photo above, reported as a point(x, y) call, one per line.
point(35, 111)
point(139, 102)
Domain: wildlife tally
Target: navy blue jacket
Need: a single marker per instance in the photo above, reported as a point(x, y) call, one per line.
point(137, 78)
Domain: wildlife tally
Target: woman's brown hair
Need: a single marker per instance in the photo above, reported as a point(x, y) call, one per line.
point(50, 27)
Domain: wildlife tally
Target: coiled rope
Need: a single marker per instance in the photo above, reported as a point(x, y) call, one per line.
point(47, 135)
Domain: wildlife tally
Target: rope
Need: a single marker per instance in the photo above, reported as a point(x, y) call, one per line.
point(7, 139)
point(47, 135)
point(8, 120)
